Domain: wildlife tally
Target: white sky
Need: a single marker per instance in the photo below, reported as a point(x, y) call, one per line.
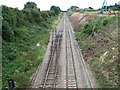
point(63, 4)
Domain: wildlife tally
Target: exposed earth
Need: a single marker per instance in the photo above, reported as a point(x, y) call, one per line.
point(100, 50)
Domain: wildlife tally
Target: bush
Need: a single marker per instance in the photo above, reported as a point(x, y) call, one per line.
point(28, 16)
point(51, 13)
point(7, 33)
point(20, 19)
point(105, 22)
point(45, 14)
point(30, 5)
point(21, 32)
point(36, 16)
point(95, 24)
point(55, 9)
point(26, 28)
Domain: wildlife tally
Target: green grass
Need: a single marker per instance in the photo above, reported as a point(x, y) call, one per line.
point(104, 66)
point(105, 72)
point(24, 54)
point(97, 24)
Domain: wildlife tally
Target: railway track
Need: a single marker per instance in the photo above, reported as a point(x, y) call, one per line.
point(64, 53)
point(50, 78)
point(71, 81)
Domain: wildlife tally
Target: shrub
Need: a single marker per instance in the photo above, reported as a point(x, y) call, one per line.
point(7, 33)
point(26, 28)
point(55, 9)
point(30, 5)
point(105, 21)
point(21, 32)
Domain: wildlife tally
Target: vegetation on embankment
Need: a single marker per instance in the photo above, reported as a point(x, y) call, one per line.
point(25, 35)
point(98, 39)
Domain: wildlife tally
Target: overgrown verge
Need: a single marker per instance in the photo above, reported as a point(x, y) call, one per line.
point(25, 36)
point(98, 39)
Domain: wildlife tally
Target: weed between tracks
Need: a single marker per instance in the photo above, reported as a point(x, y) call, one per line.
point(98, 39)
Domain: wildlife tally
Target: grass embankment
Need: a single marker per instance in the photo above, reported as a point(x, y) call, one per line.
point(25, 37)
point(98, 39)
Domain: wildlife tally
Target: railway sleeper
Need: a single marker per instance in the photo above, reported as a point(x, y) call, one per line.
point(49, 79)
point(71, 73)
point(71, 77)
point(70, 69)
point(52, 69)
point(73, 85)
point(46, 85)
point(51, 72)
point(51, 75)
point(71, 80)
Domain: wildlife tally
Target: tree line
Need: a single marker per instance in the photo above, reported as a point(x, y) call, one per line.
point(13, 17)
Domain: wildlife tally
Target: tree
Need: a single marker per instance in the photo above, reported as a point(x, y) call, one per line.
point(73, 8)
point(30, 5)
point(7, 32)
point(90, 8)
point(55, 9)
point(116, 4)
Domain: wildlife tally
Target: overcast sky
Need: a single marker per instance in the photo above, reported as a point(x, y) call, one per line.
point(63, 4)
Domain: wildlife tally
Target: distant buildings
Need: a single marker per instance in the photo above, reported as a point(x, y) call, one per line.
point(73, 9)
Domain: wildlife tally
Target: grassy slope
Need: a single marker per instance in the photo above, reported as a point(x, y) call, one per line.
point(25, 64)
point(98, 39)
point(22, 56)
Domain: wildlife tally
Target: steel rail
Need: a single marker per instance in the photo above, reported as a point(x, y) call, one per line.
point(50, 60)
point(54, 56)
point(73, 64)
